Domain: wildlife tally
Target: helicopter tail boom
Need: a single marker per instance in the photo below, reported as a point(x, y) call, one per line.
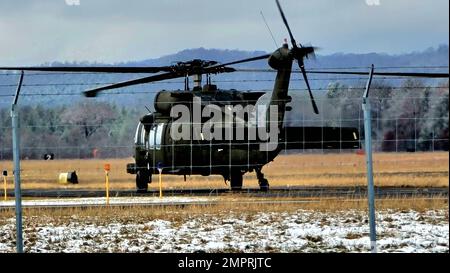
point(320, 138)
point(282, 62)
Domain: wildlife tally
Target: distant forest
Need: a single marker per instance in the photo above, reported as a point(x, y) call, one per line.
point(83, 130)
point(410, 117)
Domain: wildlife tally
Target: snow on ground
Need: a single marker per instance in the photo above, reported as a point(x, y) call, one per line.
point(300, 231)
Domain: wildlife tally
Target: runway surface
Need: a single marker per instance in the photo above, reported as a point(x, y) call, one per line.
point(208, 197)
point(296, 191)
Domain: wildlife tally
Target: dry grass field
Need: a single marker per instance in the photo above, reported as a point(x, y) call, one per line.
point(390, 169)
point(227, 206)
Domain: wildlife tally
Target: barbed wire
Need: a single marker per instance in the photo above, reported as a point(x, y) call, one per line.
point(225, 90)
point(288, 121)
point(180, 82)
point(195, 143)
point(238, 70)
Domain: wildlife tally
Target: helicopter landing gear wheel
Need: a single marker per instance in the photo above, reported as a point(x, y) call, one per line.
point(236, 180)
point(142, 180)
point(263, 183)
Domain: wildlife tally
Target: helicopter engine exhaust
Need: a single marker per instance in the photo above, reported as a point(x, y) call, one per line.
point(164, 100)
point(280, 58)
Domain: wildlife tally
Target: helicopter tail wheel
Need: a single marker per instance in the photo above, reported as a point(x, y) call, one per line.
point(236, 180)
point(142, 180)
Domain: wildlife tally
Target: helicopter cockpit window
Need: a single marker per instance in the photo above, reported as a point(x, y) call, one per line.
point(159, 133)
point(139, 138)
point(155, 137)
point(151, 138)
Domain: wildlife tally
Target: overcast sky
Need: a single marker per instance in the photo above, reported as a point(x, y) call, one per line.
point(36, 31)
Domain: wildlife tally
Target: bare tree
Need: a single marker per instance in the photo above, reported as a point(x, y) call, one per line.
point(89, 116)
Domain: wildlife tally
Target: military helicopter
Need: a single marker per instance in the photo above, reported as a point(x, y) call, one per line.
point(157, 150)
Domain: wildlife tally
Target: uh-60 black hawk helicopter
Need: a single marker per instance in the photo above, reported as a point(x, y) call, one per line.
point(157, 150)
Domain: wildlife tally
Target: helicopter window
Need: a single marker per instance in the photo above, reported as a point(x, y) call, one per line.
point(155, 137)
point(142, 135)
point(159, 132)
point(139, 137)
point(136, 136)
point(151, 138)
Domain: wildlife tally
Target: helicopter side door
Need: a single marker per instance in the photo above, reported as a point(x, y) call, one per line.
point(201, 151)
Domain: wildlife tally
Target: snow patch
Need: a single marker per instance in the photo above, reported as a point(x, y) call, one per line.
point(300, 231)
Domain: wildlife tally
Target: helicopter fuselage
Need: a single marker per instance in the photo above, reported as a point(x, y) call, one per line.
point(240, 144)
point(199, 154)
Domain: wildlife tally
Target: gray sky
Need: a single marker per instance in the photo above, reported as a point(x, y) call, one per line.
point(36, 31)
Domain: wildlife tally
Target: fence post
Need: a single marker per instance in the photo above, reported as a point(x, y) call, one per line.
point(369, 163)
point(16, 157)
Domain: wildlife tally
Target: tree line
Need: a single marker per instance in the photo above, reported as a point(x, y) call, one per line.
point(85, 129)
point(409, 117)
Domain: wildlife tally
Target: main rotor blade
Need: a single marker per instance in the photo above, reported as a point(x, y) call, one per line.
point(171, 75)
point(242, 61)
point(160, 77)
point(95, 69)
point(294, 43)
point(313, 102)
point(388, 74)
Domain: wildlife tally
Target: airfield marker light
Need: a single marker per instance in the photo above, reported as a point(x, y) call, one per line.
point(107, 168)
point(5, 196)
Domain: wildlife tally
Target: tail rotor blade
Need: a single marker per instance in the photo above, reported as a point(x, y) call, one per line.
point(294, 43)
point(309, 51)
point(299, 53)
point(313, 102)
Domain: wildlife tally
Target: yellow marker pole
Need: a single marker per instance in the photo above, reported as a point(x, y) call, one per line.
point(107, 187)
point(160, 183)
point(107, 168)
